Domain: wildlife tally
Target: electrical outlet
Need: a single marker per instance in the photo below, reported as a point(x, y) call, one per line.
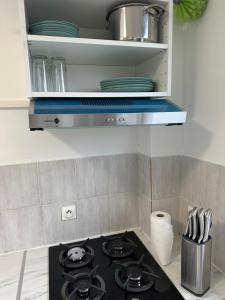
point(68, 212)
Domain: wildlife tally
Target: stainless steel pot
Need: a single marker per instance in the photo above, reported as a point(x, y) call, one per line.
point(135, 22)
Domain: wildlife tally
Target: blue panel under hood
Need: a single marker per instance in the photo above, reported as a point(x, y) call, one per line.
point(92, 112)
point(102, 106)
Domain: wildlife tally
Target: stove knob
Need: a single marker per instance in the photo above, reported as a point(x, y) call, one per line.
point(56, 120)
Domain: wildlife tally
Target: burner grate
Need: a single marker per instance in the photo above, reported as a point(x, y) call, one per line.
point(83, 286)
point(134, 276)
point(76, 255)
point(118, 247)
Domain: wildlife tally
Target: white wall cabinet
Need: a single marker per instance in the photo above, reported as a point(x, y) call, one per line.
point(92, 57)
point(13, 89)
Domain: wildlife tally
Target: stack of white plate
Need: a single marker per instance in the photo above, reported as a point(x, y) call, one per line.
point(54, 28)
point(127, 84)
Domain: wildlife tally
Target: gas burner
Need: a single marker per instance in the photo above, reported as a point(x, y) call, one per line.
point(118, 247)
point(135, 276)
point(76, 256)
point(83, 286)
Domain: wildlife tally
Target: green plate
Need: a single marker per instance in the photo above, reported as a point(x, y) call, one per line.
point(128, 89)
point(54, 30)
point(53, 27)
point(56, 33)
point(50, 22)
point(125, 83)
point(126, 79)
point(127, 86)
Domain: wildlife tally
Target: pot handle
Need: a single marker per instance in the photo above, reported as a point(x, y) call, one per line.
point(159, 10)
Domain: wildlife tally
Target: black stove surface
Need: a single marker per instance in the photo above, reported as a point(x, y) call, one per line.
point(133, 277)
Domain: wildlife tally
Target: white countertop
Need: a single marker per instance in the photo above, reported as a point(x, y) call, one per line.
point(24, 275)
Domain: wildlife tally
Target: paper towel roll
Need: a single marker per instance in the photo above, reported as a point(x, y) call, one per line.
point(162, 236)
point(161, 216)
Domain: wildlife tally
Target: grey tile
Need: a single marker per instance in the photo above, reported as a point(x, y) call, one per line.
point(145, 212)
point(92, 216)
point(144, 175)
point(172, 207)
point(101, 175)
point(56, 230)
point(186, 178)
point(219, 210)
point(85, 177)
point(183, 212)
point(23, 228)
point(2, 233)
point(124, 211)
point(219, 244)
point(200, 182)
point(103, 214)
point(132, 212)
point(57, 182)
point(165, 177)
point(92, 219)
point(18, 186)
point(123, 173)
point(212, 186)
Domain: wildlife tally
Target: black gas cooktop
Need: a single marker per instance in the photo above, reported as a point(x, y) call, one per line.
point(116, 267)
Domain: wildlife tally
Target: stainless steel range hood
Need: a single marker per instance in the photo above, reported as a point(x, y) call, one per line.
point(92, 112)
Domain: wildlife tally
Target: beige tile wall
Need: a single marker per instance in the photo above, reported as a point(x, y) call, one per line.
point(166, 176)
point(203, 185)
point(104, 190)
point(111, 193)
point(144, 191)
point(180, 181)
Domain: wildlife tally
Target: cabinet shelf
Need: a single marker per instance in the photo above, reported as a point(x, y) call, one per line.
point(96, 94)
point(80, 51)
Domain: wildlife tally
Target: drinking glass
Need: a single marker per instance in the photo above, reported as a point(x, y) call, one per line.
point(40, 73)
point(58, 74)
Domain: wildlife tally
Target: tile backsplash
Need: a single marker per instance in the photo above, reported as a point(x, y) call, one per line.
point(179, 182)
point(203, 184)
point(111, 193)
point(104, 190)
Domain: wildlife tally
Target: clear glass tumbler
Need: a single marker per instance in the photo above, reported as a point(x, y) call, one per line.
point(58, 74)
point(40, 73)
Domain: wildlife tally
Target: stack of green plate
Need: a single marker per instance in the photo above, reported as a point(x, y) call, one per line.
point(54, 28)
point(127, 84)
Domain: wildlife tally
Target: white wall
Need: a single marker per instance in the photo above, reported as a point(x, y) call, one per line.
point(18, 144)
point(204, 85)
point(163, 140)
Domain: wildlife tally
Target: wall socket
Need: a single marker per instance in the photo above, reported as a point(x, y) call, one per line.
point(68, 212)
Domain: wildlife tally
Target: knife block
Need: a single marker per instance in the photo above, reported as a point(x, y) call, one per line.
point(196, 266)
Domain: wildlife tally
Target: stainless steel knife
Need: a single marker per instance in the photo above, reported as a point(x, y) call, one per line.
point(201, 219)
point(194, 223)
point(208, 224)
point(189, 224)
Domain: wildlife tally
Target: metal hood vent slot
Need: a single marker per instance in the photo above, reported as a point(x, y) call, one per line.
point(91, 112)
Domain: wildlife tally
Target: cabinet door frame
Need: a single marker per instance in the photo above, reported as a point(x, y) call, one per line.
point(27, 58)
